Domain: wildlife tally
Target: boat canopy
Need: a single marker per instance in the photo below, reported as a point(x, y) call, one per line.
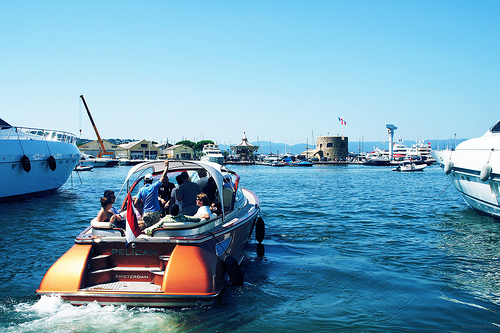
point(156, 167)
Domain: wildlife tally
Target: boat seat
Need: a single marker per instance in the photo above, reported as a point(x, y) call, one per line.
point(163, 232)
point(105, 229)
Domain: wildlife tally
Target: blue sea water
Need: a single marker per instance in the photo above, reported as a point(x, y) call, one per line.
point(348, 248)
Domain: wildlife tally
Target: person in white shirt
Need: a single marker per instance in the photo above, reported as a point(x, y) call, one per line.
point(204, 212)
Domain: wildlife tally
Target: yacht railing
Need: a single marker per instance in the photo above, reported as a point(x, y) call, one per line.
point(27, 133)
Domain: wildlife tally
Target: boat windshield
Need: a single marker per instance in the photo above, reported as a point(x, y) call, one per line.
point(496, 127)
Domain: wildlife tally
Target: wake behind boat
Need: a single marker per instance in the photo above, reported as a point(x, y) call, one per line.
point(474, 170)
point(34, 161)
point(182, 264)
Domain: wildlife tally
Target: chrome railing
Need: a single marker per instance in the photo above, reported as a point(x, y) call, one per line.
point(26, 133)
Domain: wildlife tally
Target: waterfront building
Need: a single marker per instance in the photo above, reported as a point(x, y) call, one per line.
point(93, 148)
point(179, 152)
point(140, 150)
point(330, 148)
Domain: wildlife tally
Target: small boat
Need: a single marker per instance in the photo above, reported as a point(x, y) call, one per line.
point(300, 164)
point(127, 161)
point(278, 164)
point(377, 161)
point(34, 161)
point(83, 168)
point(474, 170)
point(212, 153)
point(98, 162)
point(410, 166)
point(182, 264)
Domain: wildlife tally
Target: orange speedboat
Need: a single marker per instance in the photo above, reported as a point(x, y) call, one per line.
point(182, 264)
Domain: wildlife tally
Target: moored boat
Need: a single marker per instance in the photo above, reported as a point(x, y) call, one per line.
point(301, 164)
point(474, 170)
point(98, 162)
point(410, 166)
point(34, 161)
point(83, 168)
point(212, 153)
point(182, 264)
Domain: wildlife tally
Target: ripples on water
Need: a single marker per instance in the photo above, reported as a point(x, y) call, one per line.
point(347, 248)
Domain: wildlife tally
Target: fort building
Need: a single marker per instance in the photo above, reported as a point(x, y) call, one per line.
point(331, 148)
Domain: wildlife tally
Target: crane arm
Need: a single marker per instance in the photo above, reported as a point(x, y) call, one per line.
point(102, 150)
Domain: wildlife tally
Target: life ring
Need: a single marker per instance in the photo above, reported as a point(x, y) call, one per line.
point(52, 163)
point(234, 271)
point(25, 162)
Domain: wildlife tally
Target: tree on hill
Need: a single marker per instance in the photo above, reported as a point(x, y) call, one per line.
point(187, 143)
point(199, 145)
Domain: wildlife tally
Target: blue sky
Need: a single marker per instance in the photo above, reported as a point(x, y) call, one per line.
point(277, 70)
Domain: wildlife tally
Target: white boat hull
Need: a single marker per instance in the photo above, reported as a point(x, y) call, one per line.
point(15, 181)
point(467, 168)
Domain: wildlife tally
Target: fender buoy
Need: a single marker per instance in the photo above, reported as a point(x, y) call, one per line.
point(52, 163)
point(485, 172)
point(234, 271)
point(260, 250)
point(25, 162)
point(260, 230)
point(448, 166)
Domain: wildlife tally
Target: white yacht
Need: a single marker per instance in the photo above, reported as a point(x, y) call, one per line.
point(34, 161)
point(474, 169)
point(423, 151)
point(212, 153)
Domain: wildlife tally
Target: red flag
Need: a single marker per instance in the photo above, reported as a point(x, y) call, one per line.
point(132, 229)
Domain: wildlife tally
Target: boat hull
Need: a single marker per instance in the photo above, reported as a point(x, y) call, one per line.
point(16, 183)
point(377, 162)
point(464, 169)
point(187, 268)
point(99, 162)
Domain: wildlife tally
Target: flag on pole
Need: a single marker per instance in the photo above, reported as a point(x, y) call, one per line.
point(132, 230)
point(342, 121)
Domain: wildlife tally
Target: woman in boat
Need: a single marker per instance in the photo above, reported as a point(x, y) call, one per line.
point(204, 212)
point(105, 214)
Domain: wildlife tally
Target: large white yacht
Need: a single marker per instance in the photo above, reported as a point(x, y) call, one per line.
point(474, 169)
point(34, 160)
point(212, 153)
